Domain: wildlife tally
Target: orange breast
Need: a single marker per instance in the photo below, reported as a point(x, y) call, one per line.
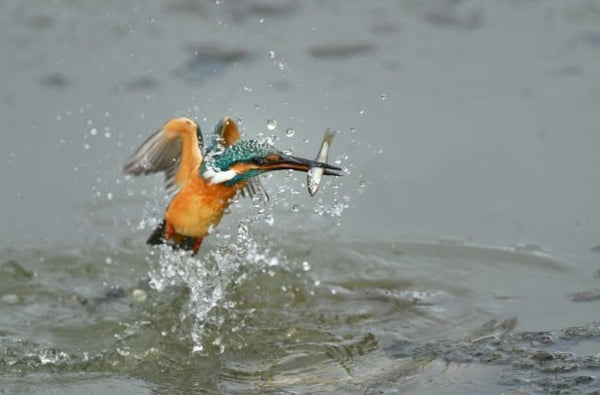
point(198, 206)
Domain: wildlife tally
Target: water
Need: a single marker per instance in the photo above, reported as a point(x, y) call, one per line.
point(359, 317)
point(456, 254)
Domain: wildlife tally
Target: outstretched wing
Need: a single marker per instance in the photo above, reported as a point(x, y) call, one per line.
point(162, 151)
point(226, 133)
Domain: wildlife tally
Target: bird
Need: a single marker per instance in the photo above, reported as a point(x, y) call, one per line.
point(203, 180)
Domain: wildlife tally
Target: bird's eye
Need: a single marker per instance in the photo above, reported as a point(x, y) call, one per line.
point(258, 161)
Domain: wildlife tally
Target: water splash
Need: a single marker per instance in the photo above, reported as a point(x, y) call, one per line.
point(271, 124)
point(211, 277)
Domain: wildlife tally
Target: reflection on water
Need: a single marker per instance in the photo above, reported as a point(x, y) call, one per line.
point(328, 316)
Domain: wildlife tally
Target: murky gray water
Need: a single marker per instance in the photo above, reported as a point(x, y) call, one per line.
point(456, 256)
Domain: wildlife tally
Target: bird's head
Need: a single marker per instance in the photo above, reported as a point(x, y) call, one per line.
point(249, 158)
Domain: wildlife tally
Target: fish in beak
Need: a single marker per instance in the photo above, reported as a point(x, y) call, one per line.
point(313, 178)
point(295, 163)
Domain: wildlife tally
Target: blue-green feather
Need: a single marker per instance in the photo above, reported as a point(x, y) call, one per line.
point(222, 158)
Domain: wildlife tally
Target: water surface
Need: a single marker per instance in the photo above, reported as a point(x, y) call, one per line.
point(456, 255)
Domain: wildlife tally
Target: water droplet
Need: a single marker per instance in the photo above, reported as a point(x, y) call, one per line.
point(289, 132)
point(109, 196)
point(247, 89)
point(383, 96)
point(361, 112)
point(305, 266)
point(107, 135)
point(257, 107)
point(362, 183)
point(108, 260)
point(124, 352)
point(86, 146)
point(272, 54)
point(282, 66)
point(295, 208)
point(93, 131)
point(269, 220)
point(271, 124)
point(261, 20)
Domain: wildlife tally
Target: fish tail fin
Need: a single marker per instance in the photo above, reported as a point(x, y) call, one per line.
point(328, 136)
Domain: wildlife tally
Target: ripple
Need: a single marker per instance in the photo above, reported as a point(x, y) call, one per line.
point(260, 322)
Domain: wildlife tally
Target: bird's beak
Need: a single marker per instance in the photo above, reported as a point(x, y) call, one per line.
point(301, 164)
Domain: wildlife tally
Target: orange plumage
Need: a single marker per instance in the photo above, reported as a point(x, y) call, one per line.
point(202, 191)
point(198, 205)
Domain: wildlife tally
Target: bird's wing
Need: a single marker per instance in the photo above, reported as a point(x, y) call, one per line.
point(161, 151)
point(255, 191)
point(226, 133)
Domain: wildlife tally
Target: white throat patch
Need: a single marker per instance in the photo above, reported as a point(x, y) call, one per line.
point(218, 177)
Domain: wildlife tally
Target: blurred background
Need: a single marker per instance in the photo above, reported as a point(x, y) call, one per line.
point(469, 131)
point(463, 119)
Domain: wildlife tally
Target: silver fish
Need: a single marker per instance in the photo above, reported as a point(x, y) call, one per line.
point(313, 179)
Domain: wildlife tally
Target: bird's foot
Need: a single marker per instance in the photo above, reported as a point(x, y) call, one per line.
point(197, 244)
point(169, 231)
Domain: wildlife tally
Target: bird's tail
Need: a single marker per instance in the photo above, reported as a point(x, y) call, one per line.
point(157, 237)
point(158, 234)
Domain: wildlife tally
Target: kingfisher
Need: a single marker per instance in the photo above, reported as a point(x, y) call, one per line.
point(203, 181)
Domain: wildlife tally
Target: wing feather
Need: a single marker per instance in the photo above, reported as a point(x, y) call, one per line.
point(158, 153)
point(255, 191)
point(175, 149)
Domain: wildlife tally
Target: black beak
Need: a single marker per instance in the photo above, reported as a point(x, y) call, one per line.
point(301, 164)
